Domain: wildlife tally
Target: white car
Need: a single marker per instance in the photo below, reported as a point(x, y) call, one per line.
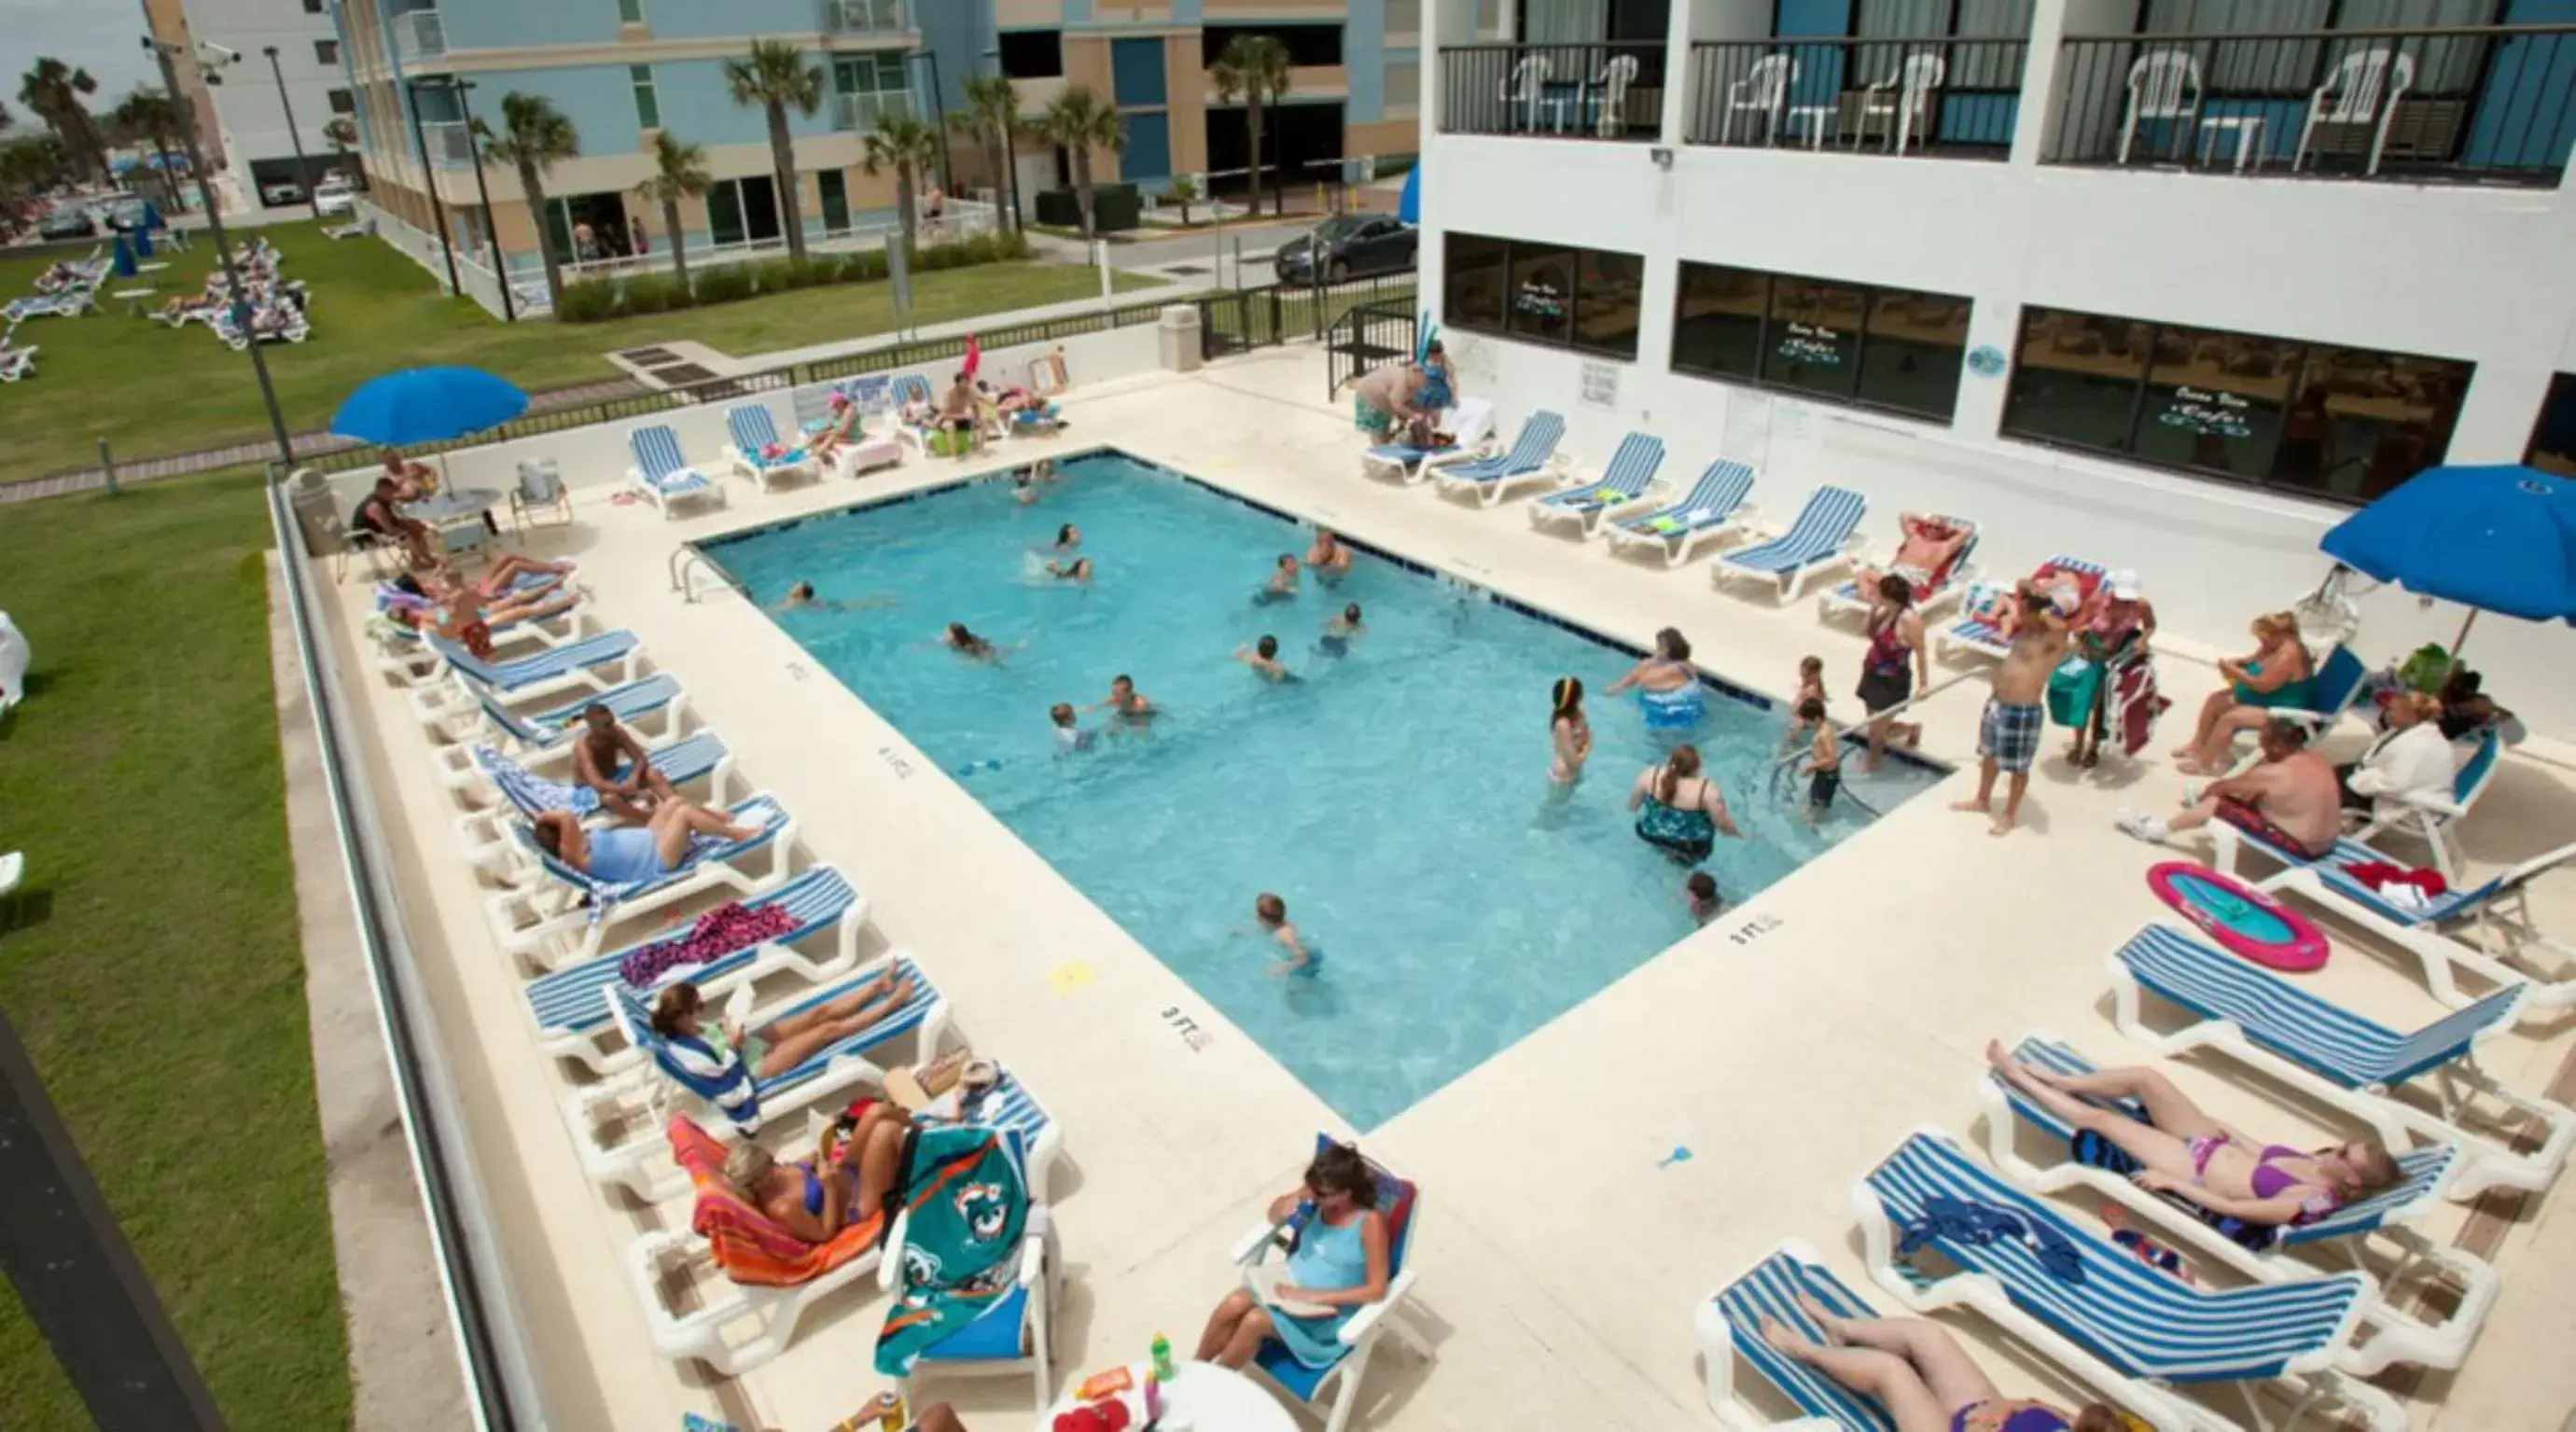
point(284, 191)
point(335, 196)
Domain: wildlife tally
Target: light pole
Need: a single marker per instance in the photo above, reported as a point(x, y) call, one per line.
point(483, 192)
point(303, 171)
point(429, 186)
point(223, 248)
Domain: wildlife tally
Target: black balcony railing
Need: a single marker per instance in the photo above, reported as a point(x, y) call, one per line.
point(2484, 104)
point(1940, 95)
point(1605, 91)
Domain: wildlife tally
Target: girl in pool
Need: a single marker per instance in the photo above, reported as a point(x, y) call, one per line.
point(1023, 491)
point(1339, 630)
point(1679, 810)
point(1303, 960)
point(801, 596)
point(1667, 685)
point(1923, 1378)
point(1067, 538)
point(1338, 1265)
point(1283, 582)
point(1330, 559)
point(1569, 734)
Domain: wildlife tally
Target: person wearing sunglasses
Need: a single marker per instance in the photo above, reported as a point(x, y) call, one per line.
point(1337, 1265)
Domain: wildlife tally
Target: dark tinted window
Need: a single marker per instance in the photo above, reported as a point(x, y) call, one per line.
point(1319, 44)
point(2077, 379)
point(1548, 294)
point(1032, 54)
point(1605, 307)
point(1814, 339)
point(1846, 342)
point(1474, 296)
point(1717, 329)
point(1912, 352)
point(2553, 434)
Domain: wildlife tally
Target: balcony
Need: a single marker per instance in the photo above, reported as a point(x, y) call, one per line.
point(859, 112)
point(2491, 104)
point(1613, 90)
point(449, 142)
point(862, 17)
point(420, 34)
point(1941, 96)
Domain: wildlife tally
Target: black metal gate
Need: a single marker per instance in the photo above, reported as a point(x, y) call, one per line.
point(1238, 322)
point(1368, 335)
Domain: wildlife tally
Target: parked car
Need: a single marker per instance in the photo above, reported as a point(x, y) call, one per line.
point(335, 196)
point(284, 191)
point(1339, 248)
point(67, 221)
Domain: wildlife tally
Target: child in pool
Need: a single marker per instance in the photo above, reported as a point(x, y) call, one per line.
point(1069, 736)
point(1302, 960)
point(1824, 768)
point(1700, 893)
point(1022, 492)
point(1811, 683)
point(1339, 630)
point(1282, 586)
point(1263, 657)
point(967, 644)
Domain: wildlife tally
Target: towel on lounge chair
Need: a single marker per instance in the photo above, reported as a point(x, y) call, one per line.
point(965, 1207)
point(532, 792)
point(743, 1241)
point(1960, 1220)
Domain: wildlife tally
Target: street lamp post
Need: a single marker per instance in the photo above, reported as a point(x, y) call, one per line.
point(483, 192)
point(303, 172)
point(429, 187)
point(223, 248)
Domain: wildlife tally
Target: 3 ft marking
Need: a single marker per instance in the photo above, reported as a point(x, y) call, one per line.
point(1188, 1028)
point(895, 762)
point(1753, 929)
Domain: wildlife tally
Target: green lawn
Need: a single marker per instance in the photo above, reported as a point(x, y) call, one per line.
point(152, 963)
point(152, 391)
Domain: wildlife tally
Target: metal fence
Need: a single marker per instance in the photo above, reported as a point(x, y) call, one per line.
point(1245, 319)
point(1606, 91)
point(1937, 94)
point(1365, 336)
point(2491, 104)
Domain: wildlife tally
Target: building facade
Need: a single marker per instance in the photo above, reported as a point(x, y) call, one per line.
point(290, 63)
point(2170, 285)
point(167, 20)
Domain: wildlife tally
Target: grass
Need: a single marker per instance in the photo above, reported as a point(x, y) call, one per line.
point(152, 964)
point(152, 391)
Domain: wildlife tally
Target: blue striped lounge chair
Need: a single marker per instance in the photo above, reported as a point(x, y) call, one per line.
point(1533, 459)
point(671, 1079)
point(1401, 1201)
point(1470, 423)
point(2259, 1252)
point(1945, 587)
point(525, 794)
point(1974, 632)
point(660, 474)
point(491, 722)
point(1729, 1326)
point(1622, 486)
point(754, 432)
point(1821, 540)
point(405, 655)
point(2498, 910)
point(592, 664)
point(2427, 818)
point(552, 914)
point(2341, 1059)
point(569, 1005)
point(1713, 508)
point(2341, 679)
point(2118, 1324)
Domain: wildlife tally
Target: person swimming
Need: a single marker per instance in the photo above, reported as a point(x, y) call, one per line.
point(1130, 705)
point(1263, 656)
point(1023, 491)
point(1077, 570)
point(1282, 586)
point(1069, 735)
point(1304, 960)
point(1328, 557)
point(800, 597)
point(967, 644)
point(1339, 630)
point(1700, 892)
point(1569, 734)
point(1067, 538)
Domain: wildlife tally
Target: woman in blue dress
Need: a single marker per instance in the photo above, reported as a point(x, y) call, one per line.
point(1337, 1266)
point(632, 854)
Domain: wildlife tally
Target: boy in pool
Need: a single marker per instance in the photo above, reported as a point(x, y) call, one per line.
point(1069, 737)
point(1263, 656)
point(1824, 768)
point(1811, 684)
point(1131, 705)
point(1302, 961)
point(1700, 893)
point(1283, 582)
point(1339, 630)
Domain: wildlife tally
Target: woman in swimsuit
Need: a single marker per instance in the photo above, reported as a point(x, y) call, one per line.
point(837, 432)
point(1077, 570)
point(1667, 685)
point(2278, 675)
point(1680, 811)
point(1067, 538)
point(1920, 1375)
point(788, 1041)
point(2119, 629)
point(2183, 1151)
point(815, 1204)
point(1569, 735)
point(1892, 666)
point(626, 854)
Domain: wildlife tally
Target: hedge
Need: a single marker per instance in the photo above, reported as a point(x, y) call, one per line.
point(596, 300)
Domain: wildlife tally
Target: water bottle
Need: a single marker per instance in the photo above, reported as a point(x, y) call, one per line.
point(1162, 1363)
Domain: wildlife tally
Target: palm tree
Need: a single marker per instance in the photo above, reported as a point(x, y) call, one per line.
point(774, 75)
point(1081, 121)
point(907, 146)
point(53, 91)
point(147, 113)
point(535, 138)
point(1254, 69)
point(991, 116)
point(679, 172)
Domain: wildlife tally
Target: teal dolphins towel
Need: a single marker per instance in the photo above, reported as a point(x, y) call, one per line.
point(967, 1208)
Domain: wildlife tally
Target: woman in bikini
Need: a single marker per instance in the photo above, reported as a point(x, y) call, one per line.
point(1894, 664)
point(1667, 685)
point(1680, 811)
point(815, 1199)
point(2182, 1150)
point(1923, 1379)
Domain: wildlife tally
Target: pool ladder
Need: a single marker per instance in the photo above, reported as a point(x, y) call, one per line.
point(686, 560)
point(1844, 745)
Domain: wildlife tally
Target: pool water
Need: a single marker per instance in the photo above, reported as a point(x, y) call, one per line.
point(1396, 797)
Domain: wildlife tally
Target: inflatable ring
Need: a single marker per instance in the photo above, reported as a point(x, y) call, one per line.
point(2242, 919)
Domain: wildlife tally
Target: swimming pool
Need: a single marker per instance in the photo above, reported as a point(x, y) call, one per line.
point(1396, 797)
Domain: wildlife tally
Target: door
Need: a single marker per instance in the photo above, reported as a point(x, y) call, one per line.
point(724, 213)
point(760, 209)
point(836, 201)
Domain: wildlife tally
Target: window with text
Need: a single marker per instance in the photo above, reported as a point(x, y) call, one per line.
point(1822, 338)
point(1552, 295)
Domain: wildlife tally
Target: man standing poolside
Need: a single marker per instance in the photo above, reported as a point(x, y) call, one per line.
point(2008, 733)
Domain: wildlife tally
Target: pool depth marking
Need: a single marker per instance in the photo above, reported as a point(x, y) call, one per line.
point(1754, 929)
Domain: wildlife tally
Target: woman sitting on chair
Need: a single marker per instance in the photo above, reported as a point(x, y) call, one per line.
point(1921, 1376)
point(814, 1199)
point(2277, 676)
point(1337, 1266)
point(785, 1042)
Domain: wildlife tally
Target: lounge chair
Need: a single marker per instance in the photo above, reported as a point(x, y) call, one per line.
point(592, 664)
point(573, 1020)
point(2340, 681)
point(1470, 423)
point(1821, 540)
point(17, 363)
point(2122, 1327)
point(404, 653)
point(2431, 931)
point(661, 1084)
point(1401, 1201)
point(1533, 458)
point(755, 435)
point(525, 794)
point(1730, 1323)
point(2260, 1254)
point(907, 389)
point(1973, 633)
point(554, 914)
point(2340, 1059)
point(1014, 1336)
point(2426, 817)
point(490, 721)
point(660, 474)
point(1622, 486)
point(1710, 510)
point(1943, 590)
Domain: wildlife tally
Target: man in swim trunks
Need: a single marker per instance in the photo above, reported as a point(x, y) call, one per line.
point(1131, 705)
point(609, 760)
point(1930, 545)
point(1263, 656)
point(2291, 801)
point(2008, 733)
point(957, 415)
point(1383, 400)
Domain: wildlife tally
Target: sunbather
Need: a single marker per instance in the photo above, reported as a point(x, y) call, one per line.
point(783, 1044)
point(2278, 674)
point(627, 854)
point(1569, 735)
point(1338, 1265)
point(839, 429)
point(2182, 1150)
point(2290, 800)
point(957, 417)
point(1667, 685)
point(1329, 558)
point(1919, 1374)
point(610, 761)
point(815, 1204)
point(1930, 544)
point(1679, 810)
point(506, 570)
point(465, 618)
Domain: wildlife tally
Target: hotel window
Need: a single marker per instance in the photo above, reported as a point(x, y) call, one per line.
point(648, 106)
point(343, 102)
point(1553, 295)
point(327, 51)
point(2345, 424)
point(2553, 437)
point(630, 12)
point(1822, 338)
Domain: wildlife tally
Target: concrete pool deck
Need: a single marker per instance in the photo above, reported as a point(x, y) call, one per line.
point(1789, 1046)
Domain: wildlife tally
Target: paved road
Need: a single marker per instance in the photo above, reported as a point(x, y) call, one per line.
point(1199, 250)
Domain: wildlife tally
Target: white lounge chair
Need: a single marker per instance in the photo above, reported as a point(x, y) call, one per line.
point(526, 794)
point(2127, 1330)
point(2345, 1061)
point(489, 721)
point(1401, 1202)
point(1973, 633)
point(660, 474)
point(755, 434)
point(2428, 817)
point(594, 664)
point(554, 914)
point(1821, 540)
point(1941, 592)
point(1620, 488)
point(17, 363)
point(2263, 1254)
point(907, 389)
point(2496, 914)
point(1713, 508)
point(1471, 423)
point(1533, 459)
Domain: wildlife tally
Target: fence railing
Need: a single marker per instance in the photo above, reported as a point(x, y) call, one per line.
point(861, 111)
point(1941, 95)
point(1605, 91)
point(861, 17)
point(1248, 318)
point(420, 34)
point(2487, 104)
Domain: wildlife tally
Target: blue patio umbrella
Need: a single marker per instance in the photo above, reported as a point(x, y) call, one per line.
point(2494, 539)
point(427, 405)
point(1408, 206)
point(123, 262)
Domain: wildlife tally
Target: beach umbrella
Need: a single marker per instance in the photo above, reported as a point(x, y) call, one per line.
point(1408, 206)
point(2493, 539)
point(427, 405)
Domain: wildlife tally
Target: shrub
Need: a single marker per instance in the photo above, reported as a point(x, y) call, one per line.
point(860, 266)
point(588, 301)
point(798, 273)
point(655, 293)
point(725, 283)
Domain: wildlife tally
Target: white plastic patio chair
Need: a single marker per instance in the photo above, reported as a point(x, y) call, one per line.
point(1764, 90)
point(1523, 87)
point(1910, 104)
point(2164, 85)
point(1619, 72)
point(2364, 89)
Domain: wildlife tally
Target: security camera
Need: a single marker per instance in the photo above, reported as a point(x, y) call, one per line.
point(220, 54)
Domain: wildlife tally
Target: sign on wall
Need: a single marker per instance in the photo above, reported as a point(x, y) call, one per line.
point(1600, 387)
point(2198, 410)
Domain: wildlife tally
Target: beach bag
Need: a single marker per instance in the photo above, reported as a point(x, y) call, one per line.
point(2071, 689)
point(2426, 668)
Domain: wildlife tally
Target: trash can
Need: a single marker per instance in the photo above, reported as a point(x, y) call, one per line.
point(316, 511)
point(1180, 338)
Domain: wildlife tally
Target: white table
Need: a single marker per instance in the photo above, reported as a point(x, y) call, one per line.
point(1203, 1397)
point(2248, 129)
